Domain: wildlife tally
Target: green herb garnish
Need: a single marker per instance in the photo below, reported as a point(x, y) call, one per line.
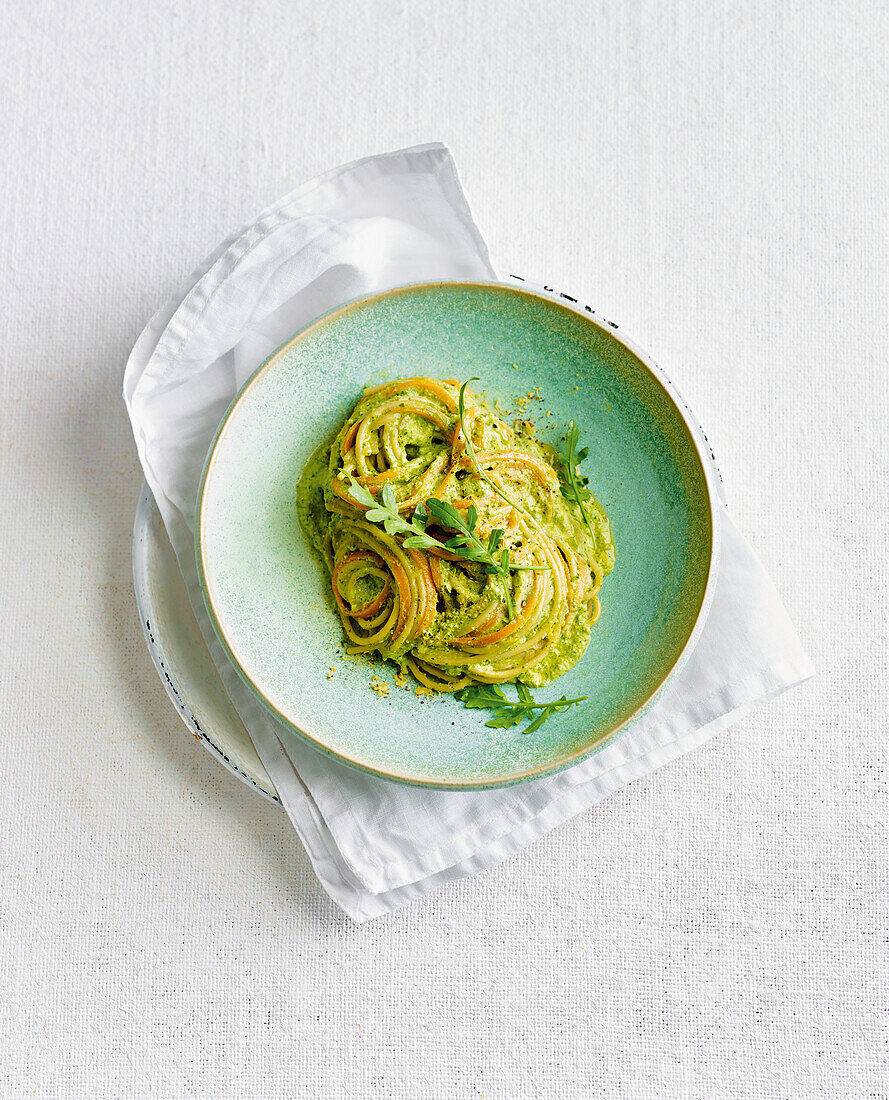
point(386, 512)
point(467, 545)
point(464, 545)
point(572, 483)
point(507, 714)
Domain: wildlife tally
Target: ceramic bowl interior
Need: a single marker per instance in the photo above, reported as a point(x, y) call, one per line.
point(539, 358)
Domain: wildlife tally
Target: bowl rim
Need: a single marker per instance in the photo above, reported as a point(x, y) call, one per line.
point(608, 328)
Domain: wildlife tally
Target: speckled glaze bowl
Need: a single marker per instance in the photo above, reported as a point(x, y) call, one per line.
point(269, 598)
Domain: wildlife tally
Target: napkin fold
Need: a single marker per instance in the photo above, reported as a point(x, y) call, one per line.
point(379, 222)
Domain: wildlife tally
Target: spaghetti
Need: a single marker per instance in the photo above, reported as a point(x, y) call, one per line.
point(451, 549)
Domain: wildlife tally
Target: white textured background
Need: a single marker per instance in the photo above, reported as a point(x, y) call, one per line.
point(711, 176)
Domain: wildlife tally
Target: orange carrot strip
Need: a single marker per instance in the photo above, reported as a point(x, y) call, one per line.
point(495, 615)
point(372, 482)
point(349, 438)
point(435, 571)
point(529, 607)
point(342, 492)
point(428, 384)
point(544, 474)
point(443, 555)
point(404, 593)
point(371, 608)
point(431, 594)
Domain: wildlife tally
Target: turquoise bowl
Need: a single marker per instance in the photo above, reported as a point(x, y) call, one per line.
point(269, 597)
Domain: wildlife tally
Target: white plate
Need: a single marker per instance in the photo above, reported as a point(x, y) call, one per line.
point(180, 654)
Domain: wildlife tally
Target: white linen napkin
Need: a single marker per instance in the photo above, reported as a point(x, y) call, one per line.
point(379, 222)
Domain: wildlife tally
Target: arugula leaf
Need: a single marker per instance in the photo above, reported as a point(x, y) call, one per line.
point(506, 714)
point(573, 484)
point(538, 722)
point(359, 493)
point(393, 523)
point(482, 696)
point(467, 545)
point(507, 717)
point(446, 514)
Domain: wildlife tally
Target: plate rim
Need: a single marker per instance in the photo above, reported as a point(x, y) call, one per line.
point(153, 632)
point(610, 329)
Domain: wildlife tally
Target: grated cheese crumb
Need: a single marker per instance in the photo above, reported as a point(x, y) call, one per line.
point(380, 687)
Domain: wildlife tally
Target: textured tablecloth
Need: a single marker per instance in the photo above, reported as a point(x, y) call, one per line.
point(711, 178)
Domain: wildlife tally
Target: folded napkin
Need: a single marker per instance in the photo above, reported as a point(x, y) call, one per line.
point(380, 222)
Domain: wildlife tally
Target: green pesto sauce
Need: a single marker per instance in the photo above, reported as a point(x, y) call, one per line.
point(467, 588)
point(313, 516)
